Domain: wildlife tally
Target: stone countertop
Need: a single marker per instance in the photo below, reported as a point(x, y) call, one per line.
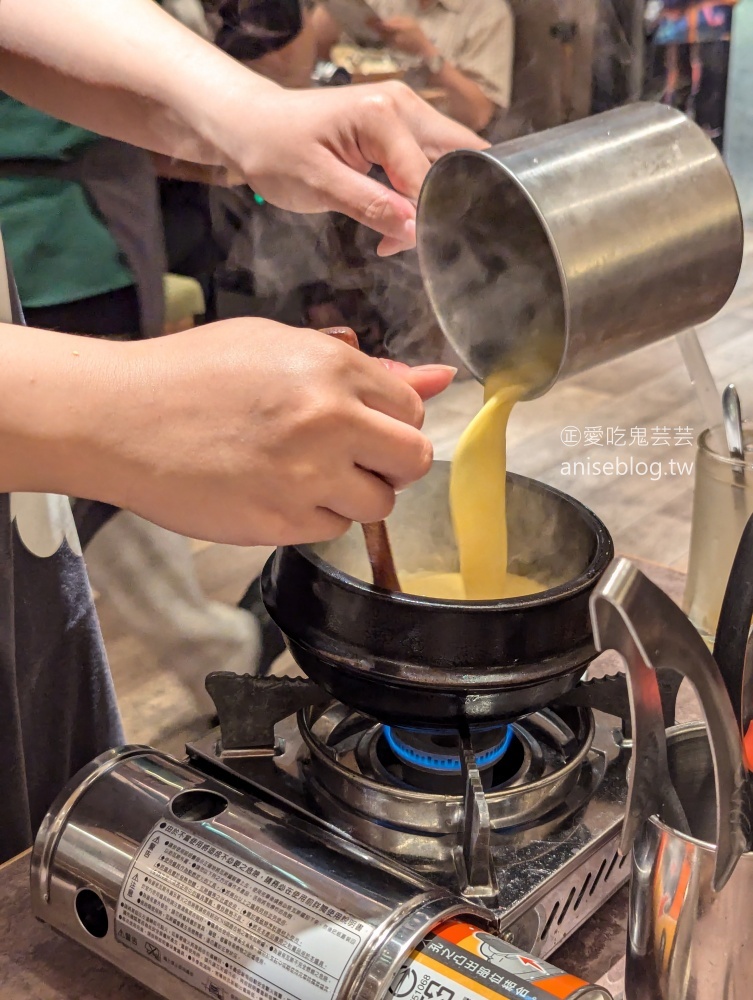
point(38, 964)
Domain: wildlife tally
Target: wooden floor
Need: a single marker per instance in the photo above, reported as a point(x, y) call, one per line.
point(648, 518)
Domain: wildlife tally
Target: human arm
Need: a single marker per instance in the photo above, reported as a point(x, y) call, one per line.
point(327, 30)
point(466, 101)
point(126, 69)
point(117, 68)
point(244, 431)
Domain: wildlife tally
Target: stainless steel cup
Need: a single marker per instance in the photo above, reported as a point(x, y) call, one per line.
point(572, 246)
point(684, 941)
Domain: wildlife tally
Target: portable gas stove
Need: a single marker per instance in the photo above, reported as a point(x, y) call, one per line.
point(305, 852)
point(522, 819)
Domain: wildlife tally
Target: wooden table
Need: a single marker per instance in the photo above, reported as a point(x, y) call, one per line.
point(38, 964)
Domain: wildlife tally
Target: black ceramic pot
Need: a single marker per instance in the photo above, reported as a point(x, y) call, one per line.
point(412, 661)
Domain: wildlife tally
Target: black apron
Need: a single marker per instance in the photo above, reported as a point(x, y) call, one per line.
point(119, 183)
point(57, 703)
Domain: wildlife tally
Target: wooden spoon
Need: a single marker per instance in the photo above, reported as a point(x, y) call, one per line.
point(377, 540)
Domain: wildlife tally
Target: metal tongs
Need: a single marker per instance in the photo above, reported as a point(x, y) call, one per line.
point(633, 616)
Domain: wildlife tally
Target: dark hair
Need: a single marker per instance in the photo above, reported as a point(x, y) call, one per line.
point(252, 28)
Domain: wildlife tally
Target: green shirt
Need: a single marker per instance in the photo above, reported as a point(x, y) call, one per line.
point(60, 249)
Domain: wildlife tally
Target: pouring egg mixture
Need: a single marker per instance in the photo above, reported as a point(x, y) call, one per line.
point(478, 494)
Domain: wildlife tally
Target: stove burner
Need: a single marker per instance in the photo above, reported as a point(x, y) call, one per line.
point(428, 760)
point(545, 774)
point(437, 750)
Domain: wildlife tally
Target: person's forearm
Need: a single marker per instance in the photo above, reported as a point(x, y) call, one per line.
point(140, 76)
point(466, 101)
point(196, 433)
point(326, 29)
point(54, 390)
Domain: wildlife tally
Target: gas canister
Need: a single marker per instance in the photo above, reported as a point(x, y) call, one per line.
point(460, 961)
point(198, 890)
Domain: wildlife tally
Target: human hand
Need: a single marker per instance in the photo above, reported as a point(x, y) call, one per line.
point(406, 35)
point(143, 78)
point(250, 432)
point(311, 151)
point(427, 380)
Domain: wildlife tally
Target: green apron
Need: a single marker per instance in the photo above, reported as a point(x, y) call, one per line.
point(119, 183)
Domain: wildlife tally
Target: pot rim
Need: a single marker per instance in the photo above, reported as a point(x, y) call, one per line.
point(602, 556)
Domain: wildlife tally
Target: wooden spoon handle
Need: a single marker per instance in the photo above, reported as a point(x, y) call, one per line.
point(377, 540)
point(343, 333)
point(380, 556)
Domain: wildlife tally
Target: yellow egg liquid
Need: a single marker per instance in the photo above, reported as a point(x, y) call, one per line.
point(478, 493)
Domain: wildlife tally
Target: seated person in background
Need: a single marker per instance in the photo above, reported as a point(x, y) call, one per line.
point(463, 47)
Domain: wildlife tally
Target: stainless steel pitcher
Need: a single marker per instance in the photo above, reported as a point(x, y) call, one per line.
point(572, 246)
point(686, 942)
